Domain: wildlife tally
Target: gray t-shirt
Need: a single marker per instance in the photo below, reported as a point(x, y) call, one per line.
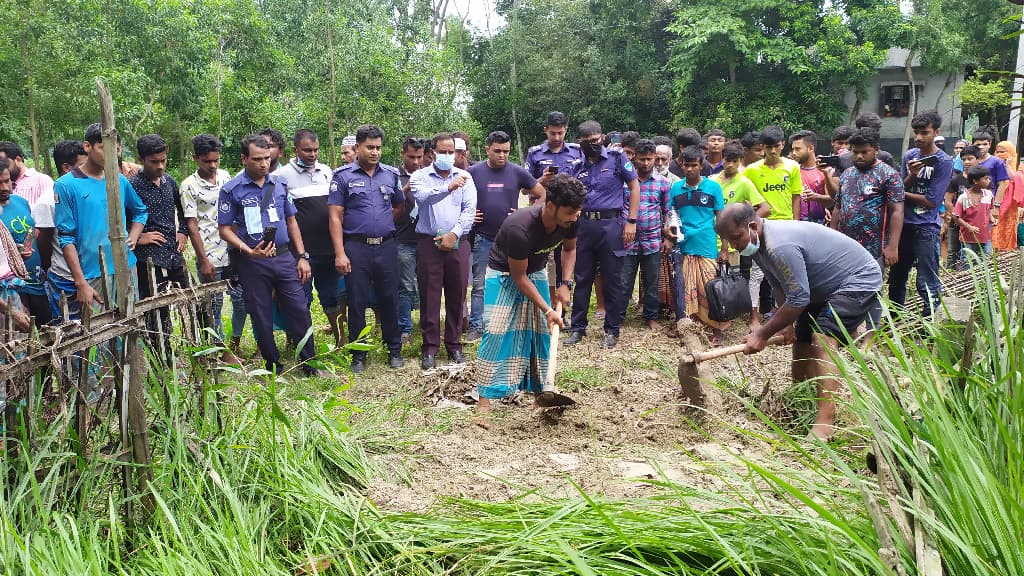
point(810, 262)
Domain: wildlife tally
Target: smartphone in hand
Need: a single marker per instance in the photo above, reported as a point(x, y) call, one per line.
point(269, 233)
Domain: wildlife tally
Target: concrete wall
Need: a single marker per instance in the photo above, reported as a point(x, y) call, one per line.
point(930, 95)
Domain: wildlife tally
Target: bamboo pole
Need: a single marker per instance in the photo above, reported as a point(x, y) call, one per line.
point(130, 384)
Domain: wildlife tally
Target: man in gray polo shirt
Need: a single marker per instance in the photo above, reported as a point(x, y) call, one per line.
point(825, 283)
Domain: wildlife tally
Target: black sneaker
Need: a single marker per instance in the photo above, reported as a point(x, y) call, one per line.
point(358, 365)
point(427, 362)
point(609, 340)
point(395, 360)
point(472, 335)
point(457, 357)
point(574, 338)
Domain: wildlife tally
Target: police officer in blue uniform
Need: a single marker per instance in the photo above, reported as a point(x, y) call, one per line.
point(253, 204)
point(554, 154)
point(603, 234)
point(365, 199)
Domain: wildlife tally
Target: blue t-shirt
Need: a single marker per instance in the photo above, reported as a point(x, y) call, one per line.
point(17, 217)
point(996, 169)
point(697, 207)
point(932, 183)
point(82, 218)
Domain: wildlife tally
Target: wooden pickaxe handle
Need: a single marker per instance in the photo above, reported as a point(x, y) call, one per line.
point(698, 357)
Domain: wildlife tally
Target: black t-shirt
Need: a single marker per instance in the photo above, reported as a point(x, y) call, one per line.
point(522, 237)
point(405, 226)
point(497, 192)
point(846, 160)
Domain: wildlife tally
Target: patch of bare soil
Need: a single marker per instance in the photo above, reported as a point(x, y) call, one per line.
point(629, 425)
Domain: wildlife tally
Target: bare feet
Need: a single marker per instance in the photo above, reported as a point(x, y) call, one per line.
point(717, 338)
point(483, 422)
point(823, 432)
point(229, 357)
point(653, 324)
point(483, 410)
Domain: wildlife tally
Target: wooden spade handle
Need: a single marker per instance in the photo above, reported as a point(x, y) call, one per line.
point(549, 380)
point(728, 350)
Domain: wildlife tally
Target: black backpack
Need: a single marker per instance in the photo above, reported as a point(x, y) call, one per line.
point(727, 294)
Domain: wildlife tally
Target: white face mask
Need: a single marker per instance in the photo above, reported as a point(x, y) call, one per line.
point(752, 247)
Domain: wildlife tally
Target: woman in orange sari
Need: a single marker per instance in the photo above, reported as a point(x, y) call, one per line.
point(1011, 205)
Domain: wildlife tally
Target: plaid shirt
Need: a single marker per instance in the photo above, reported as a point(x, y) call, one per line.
point(654, 192)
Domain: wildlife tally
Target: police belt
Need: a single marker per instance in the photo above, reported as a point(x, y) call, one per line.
point(602, 214)
point(372, 240)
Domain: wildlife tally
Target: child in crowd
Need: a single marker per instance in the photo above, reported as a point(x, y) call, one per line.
point(973, 213)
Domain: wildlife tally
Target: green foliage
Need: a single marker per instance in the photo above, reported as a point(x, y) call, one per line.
point(741, 65)
point(978, 96)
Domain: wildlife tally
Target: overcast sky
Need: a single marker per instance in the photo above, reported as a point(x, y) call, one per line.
point(478, 11)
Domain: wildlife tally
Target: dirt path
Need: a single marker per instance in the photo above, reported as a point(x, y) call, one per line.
point(629, 425)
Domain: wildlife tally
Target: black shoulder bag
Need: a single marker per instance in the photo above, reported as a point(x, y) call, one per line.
point(728, 294)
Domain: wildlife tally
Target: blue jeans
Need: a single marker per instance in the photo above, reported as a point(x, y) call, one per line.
point(481, 251)
point(978, 249)
point(650, 267)
point(919, 248)
point(408, 293)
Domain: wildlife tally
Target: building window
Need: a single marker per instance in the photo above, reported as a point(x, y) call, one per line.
point(895, 101)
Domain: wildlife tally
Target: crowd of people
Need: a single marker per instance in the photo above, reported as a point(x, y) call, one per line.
point(812, 230)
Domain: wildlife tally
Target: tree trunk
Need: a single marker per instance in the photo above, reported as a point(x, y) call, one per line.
point(942, 94)
point(30, 100)
point(334, 92)
point(182, 158)
point(908, 132)
point(855, 111)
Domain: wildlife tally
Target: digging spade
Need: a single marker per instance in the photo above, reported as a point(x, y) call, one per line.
point(689, 367)
point(549, 398)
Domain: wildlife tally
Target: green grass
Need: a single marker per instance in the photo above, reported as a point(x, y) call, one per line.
point(279, 481)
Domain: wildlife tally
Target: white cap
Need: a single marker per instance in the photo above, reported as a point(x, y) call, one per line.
point(348, 141)
point(460, 144)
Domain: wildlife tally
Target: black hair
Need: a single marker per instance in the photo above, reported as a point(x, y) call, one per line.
point(94, 133)
point(842, 133)
point(715, 132)
point(274, 138)
point(869, 120)
point(67, 152)
point(663, 141)
point(739, 214)
point(750, 139)
point(588, 128)
point(691, 154)
point(304, 134)
point(733, 150)
point(772, 135)
point(150, 144)
point(414, 142)
point(983, 135)
point(203, 144)
point(687, 137)
point(927, 118)
point(463, 135)
point(556, 119)
point(629, 139)
point(565, 191)
point(257, 140)
point(368, 131)
point(497, 137)
point(971, 150)
point(645, 146)
point(976, 172)
point(5, 164)
point(439, 137)
point(11, 150)
point(864, 137)
point(809, 138)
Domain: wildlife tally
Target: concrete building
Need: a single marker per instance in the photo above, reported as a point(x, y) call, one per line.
point(888, 95)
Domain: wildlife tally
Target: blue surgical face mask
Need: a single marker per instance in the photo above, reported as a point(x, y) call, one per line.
point(444, 162)
point(301, 164)
point(752, 247)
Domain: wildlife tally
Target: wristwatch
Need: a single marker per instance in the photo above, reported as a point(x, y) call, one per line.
point(631, 220)
point(304, 255)
point(567, 283)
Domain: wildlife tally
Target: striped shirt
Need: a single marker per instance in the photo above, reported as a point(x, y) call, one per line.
point(32, 184)
point(654, 194)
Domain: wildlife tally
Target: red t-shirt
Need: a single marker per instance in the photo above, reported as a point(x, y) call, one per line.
point(975, 214)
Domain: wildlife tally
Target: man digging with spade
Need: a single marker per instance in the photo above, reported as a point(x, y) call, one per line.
point(514, 350)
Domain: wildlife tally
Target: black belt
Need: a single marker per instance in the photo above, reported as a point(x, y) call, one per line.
point(372, 240)
point(601, 214)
